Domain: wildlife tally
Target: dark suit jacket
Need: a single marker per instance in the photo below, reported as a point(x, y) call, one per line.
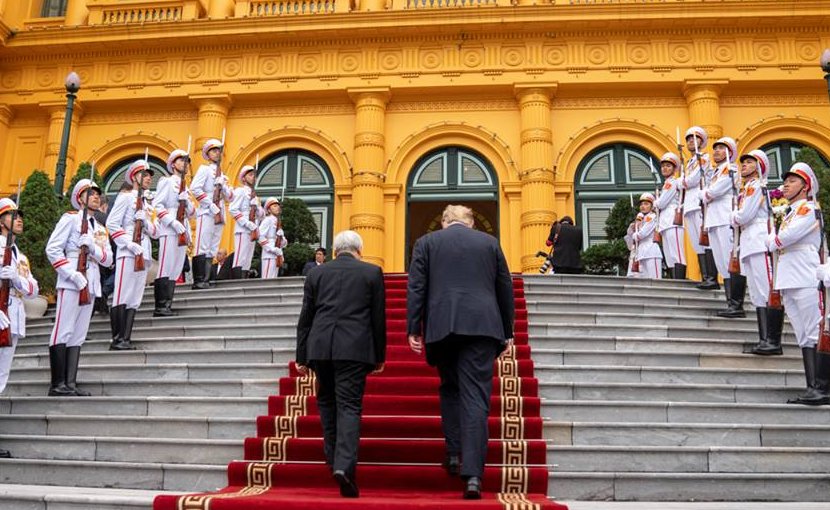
point(223, 273)
point(309, 266)
point(459, 284)
point(566, 250)
point(344, 313)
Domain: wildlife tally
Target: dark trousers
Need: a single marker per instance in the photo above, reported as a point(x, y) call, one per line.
point(465, 365)
point(340, 401)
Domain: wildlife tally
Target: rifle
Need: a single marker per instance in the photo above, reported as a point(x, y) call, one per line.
point(657, 237)
point(278, 241)
point(635, 264)
point(774, 299)
point(824, 333)
point(253, 210)
point(703, 239)
point(181, 212)
point(678, 213)
point(139, 225)
point(734, 260)
point(5, 285)
point(83, 254)
point(219, 219)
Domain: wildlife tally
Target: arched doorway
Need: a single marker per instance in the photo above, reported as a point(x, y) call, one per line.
point(782, 154)
point(603, 176)
point(450, 175)
point(296, 173)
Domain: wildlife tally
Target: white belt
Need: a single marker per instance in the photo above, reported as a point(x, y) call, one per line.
point(798, 247)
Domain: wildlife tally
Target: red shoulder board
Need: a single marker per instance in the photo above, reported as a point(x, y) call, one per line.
point(804, 210)
point(667, 186)
point(750, 191)
point(648, 218)
point(725, 171)
point(71, 212)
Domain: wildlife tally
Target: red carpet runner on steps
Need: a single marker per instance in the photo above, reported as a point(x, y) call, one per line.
point(401, 447)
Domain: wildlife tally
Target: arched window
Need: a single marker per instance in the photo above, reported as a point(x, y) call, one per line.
point(603, 176)
point(782, 154)
point(53, 8)
point(118, 172)
point(467, 174)
point(300, 174)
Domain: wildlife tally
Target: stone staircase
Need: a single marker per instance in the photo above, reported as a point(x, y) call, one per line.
point(646, 393)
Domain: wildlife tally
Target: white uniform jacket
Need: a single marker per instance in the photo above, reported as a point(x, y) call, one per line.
point(752, 217)
point(23, 287)
point(121, 224)
point(166, 205)
point(644, 235)
point(63, 247)
point(240, 209)
point(718, 195)
point(202, 188)
point(797, 241)
point(667, 203)
point(691, 182)
point(268, 233)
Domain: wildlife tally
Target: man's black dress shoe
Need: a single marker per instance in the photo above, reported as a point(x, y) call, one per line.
point(348, 489)
point(453, 464)
point(5, 454)
point(473, 488)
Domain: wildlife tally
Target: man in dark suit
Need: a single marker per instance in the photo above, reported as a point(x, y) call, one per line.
point(319, 260)
point(566, 240)
point(341, 336)
point(460, 306)
point(221, 269)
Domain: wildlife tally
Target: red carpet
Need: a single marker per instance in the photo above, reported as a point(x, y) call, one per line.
point(401, 447)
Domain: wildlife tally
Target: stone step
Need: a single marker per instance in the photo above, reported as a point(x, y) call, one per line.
point(44, 497)
point(161, 372)
point(661, 392)
point(172, 329)
point(650, 358)
point(118, 475)
point(110, 387)
point(683, 412)
point(607, 341)
point(669, 375)
point(190, 427)
point(533, 280)
point(280, 355)
point(682, 434)
point(230, 407)
point(650, 486)
point(747, 325)
point(629, 289)
point(162, 344)
point(652, 328)
point(562, 304)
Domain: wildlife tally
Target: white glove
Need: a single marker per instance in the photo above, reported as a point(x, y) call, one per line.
point(4, 320)
point(140, 215)
point(184, 195)
point(250, 225)
point(280, 233)
point(178, 227)
point(277, 252)
point(255, 201)
point(78, 280)
point(135, 248)
point(822, 273)
point(214, 209)
point(8, 273)
point(87, 240)
point(770, 242)
point(220, 181)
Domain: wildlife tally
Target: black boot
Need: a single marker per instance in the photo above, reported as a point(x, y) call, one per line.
point(808, 354)
point(821, 394)
point(770, 345)
point(100, 306)
point(5, 454)
point(171, 289)
point(208, 265)
point(161, 290)
point(200, 278)
point(57, 362)
point(73, 355)
point(117, 325)
point(736, 292)
point(679, 271)
point(236, 273)
point(708, 271)
point(129, 319)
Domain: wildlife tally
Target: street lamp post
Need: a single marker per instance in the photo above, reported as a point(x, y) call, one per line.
point(73, 85)
point(825, 66)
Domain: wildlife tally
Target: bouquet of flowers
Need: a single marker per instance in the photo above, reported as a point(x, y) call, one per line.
point(779, 205)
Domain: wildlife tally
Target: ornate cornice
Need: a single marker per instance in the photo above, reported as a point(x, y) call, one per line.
point(608, 102)
point(775, 100)
point(122, 117)
point(461, 105)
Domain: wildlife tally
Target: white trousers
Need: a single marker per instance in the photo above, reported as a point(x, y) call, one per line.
point(269, 268)
point(208, 235)
point(129, 284)
point(756, 269)
point(673, 248)
point(650, 269)
point(243, 250)
point(71, 320)
point(6, 356)
point(171, 257)
point(720, 241)
point(802, 309)
point(693, 221)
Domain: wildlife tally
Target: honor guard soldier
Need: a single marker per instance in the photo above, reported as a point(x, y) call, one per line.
point(210, 188)
point(694, 178)
point(272, 239)
point(667, 203)
point(648, 252)
point(130, 226)
point(77, 235)
point(753, 219)
point(244, 207)
point(173, 208)
point(797, 242)
point(720, 198)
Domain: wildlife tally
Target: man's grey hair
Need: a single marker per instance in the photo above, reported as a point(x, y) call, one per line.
point(347, 241)
point(457, 213)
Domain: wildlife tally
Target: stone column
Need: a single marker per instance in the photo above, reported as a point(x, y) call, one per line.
point(57, 112)
point(220, 9)
point(368, 174)
point(212, 119)
point(536, 170)
point(703, 99)
point(76, 13)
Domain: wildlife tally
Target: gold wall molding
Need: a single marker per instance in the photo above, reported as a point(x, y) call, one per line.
point(287, 110)
point(456, 106)
point(125, 117)
point(610, 102)
point(803, 129)
point(781, 100)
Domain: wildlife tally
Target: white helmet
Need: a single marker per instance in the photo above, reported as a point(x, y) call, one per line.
point(671, 158)
point(761, 158)
point(731, 145)
point(176, 154)
point(140, 165)
point(271, 201)
point(244, 170)
point(212, 143)
point(647, 197)
point(700, 133)
point(80, 187)
point(804, 171)
point(6, 205)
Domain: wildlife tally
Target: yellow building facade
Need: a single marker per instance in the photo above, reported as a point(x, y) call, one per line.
point(377, 113)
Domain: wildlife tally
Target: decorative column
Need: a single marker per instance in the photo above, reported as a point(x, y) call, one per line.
point(220, 9)
point(703, 99)
point(212, 119)
point(76, 13)
point(368, 174)
point(6, 116)
point(57, 112)
point(536, 169)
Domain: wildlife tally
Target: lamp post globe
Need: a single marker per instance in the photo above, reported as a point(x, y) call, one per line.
point(73, 85)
